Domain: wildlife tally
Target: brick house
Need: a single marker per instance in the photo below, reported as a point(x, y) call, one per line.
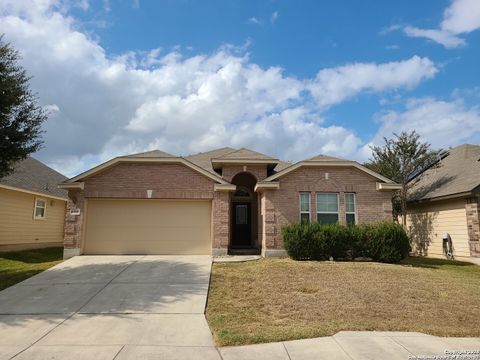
point(217, 202)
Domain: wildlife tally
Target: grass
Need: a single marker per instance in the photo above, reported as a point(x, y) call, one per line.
point(17, 266)
point(281, 299)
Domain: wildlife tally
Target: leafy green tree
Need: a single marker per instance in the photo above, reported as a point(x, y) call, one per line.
point(401, 159)
point(21, 116)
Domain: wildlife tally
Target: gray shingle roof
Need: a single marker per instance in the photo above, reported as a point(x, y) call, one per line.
point(30, 174)
point(204, 159)
point(245, 154)
point(152, 154)
point(458, 172)
point(322, 157)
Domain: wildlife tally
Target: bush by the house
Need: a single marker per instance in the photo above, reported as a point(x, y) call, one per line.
point(383, 242)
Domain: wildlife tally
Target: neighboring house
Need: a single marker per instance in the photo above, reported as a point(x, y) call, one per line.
point(445, 200)
point(217, 202)
point(32, 207)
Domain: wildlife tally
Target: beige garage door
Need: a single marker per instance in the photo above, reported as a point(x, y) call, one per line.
point(148, 227)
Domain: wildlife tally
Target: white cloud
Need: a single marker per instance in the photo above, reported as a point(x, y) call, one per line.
point(441, 37)
point(441, 123)
point(274, 17)
point(334, 85)
point(103, 106)
point(461, 17)
point(254, 20)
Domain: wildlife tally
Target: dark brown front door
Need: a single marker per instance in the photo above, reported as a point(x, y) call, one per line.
point(242, 225)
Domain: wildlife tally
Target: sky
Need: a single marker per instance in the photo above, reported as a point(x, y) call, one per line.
point(292, 79)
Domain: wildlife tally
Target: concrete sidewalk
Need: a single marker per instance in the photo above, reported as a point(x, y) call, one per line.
point(361, 345)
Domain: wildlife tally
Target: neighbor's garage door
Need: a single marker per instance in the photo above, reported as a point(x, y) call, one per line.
point(148, 227)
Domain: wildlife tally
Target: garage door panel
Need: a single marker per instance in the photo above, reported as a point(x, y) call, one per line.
point(148, 227)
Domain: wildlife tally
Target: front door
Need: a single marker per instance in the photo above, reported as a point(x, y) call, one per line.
point(242, 226)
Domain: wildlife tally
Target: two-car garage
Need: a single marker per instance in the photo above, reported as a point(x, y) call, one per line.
point(148, 226)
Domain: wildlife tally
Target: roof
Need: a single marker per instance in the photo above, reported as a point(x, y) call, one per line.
point(204, 159)
point(207, 162)
point(151, 154)
point(32, 175)
point(328, 161)
point(457, 173)
point(321, 157)
point(245, 154)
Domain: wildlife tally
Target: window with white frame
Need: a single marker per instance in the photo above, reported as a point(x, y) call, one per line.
point(350, 208)
point(40, 209)
point(327, 208)
point(304, 207)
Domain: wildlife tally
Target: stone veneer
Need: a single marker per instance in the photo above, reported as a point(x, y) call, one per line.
point(472, 208)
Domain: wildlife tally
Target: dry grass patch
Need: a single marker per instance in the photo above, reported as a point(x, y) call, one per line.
point(281, 299)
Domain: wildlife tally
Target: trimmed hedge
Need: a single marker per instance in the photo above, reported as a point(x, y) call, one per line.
point(383, 242)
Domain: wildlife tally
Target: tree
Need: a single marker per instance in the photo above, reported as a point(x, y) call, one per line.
point(401, 159)
point(21, 116)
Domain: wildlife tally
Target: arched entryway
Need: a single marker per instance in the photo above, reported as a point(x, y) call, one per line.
point(244, 215)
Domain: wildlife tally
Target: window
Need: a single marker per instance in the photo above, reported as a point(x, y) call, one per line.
point(327, 208)
point(40, 207)
point(241, 192)
point(304, 207)
point(350, 208)
point(241, 214)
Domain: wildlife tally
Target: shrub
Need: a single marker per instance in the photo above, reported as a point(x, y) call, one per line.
point(383, 242)
point(386, 242)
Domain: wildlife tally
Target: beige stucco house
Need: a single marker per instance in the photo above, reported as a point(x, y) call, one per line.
point(445, 200)
point(217, 202)
point(32, 207)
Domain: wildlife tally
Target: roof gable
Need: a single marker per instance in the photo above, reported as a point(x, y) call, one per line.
point(328, 162)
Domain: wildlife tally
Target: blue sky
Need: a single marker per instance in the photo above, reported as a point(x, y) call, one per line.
point(289, 78)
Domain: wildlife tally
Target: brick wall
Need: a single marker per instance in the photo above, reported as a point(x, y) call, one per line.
point(472, 208)
point(221, 222)
point(131, 181)
point(282, 206)
point(259, 171)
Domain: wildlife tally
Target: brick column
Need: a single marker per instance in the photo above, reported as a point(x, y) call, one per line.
point(473, 224)
point(73, 224)
point(221, 222)
point(271, 243)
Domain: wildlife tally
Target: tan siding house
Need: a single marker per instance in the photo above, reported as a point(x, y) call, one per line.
point(445, 201)
point(32, 208)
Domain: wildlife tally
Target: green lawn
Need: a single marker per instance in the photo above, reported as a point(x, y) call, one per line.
point(20, 265)
point(281, 299)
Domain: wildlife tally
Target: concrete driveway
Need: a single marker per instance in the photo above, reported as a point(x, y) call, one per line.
point(106, 307)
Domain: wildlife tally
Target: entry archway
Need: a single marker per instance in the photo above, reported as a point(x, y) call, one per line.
point(244, 215)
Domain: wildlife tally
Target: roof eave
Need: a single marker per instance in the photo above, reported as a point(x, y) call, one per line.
point(32, 192)
point(217, 163)
point(444, 197)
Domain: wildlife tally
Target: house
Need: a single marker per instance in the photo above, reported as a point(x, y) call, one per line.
point(445, 200)
point(32, 207)
point(217, 202)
